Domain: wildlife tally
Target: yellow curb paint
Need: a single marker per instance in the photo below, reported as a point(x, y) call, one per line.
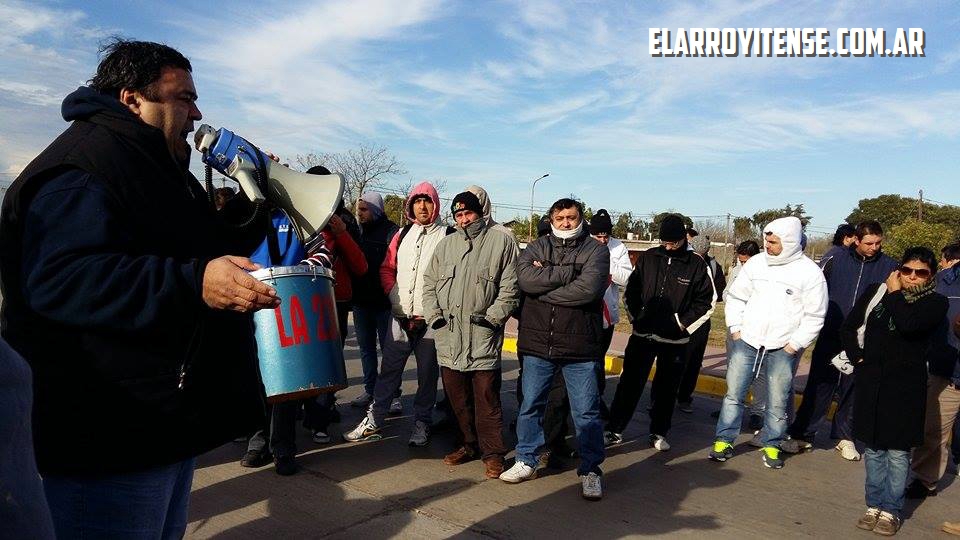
point(706, 384)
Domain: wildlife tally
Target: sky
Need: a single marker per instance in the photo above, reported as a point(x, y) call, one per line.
point(498, 93)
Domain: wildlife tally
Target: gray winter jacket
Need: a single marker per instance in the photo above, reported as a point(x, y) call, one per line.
point(472, 272)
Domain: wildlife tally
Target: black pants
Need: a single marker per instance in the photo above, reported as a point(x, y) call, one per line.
point(321, 411)
point(279, 437)
point(693, 363)
point(637, 361)
point(823, 383)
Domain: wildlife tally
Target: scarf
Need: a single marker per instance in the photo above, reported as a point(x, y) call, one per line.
point(566, 235)
point(912, 294)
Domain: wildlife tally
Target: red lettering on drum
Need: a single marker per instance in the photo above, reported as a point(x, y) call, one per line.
point(285, 340)
point(326, 317)
point(298, 321)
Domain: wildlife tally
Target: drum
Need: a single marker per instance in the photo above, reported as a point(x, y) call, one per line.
point(298, 342)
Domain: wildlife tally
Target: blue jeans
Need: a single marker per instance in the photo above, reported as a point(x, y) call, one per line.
point(581, 381)
point(887, 473)
point(146, 504)
point(370, 325)
point(742, 365)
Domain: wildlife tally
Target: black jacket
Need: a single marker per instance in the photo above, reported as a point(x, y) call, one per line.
point(665, 290)
point(890, 385)
point(104, 240)
point(374, 240)
point(561, 314)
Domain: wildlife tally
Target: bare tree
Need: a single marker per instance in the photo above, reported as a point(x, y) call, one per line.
point(364, 168)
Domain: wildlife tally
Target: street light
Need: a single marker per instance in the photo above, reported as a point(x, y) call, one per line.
point(530, 231)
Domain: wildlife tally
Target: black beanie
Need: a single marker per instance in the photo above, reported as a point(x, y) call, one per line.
point(543, 227)
point(672, 229)
point(600, 223)
point(466, 201)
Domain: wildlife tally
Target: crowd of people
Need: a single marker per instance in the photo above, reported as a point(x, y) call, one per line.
point(126, 288)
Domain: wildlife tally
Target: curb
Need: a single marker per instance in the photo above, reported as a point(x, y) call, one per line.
point(710, 385)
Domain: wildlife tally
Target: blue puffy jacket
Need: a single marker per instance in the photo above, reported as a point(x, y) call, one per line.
point(848, 274)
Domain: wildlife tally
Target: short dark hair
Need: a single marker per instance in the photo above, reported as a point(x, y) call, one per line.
point(922, 254)
point(951, 251)
point(748, 247)
point(565, 203)
point(692, 233)
point(844, 231)
point(136, 65)
point(868, 227)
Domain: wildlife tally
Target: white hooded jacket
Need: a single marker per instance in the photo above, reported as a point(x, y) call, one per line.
point(778, 300)
point(620, 269)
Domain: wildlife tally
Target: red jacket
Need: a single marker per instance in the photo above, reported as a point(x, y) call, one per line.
point(348, 261)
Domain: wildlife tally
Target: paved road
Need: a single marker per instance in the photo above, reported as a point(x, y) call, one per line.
point(386, 489)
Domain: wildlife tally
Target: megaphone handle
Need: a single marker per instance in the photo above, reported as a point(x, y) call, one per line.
point(249, 185)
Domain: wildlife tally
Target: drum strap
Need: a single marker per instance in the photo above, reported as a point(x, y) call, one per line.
point(273, 245)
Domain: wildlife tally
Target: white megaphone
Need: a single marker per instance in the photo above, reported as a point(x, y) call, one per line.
point(308, 199)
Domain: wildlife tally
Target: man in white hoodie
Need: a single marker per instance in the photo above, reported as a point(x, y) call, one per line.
point(774, 309)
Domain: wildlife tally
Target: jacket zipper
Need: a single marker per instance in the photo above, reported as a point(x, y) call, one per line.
point(857, 288)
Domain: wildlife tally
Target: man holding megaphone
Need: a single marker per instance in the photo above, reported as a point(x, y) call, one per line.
point(123, 290)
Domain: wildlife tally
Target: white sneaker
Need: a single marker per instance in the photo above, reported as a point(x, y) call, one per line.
point(362, 400)
point(518, 473)
point(659, 442)
point(420, 435)
point(395, 406)
point(848, 450)
point(590, 487)
point(366, 430)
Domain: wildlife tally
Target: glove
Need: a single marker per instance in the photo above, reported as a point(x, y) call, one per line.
point(842, 364)
point(416, 326)
point(439, 323)
point(480, 320)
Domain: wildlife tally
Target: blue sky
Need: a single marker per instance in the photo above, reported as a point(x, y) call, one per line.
point(498, 93)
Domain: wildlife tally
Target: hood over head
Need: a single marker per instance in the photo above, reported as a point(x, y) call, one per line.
point(374, 202)
point(423, 188)
point(790, 231)
point(484, 202)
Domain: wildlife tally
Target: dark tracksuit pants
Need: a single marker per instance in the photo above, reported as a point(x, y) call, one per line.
point(637, 362)
point(693, 363)
point(823, 383)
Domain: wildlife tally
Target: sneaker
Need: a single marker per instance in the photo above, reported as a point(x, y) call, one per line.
point(362, 400)
point(757, 440)
point(771, 457)
point(366, 430)
point(590, 487)
point(286, 465)
point(869, 520)
point(685, 406)
point(420, 435)
point(395, 407)
point(721, 452)
point(917, 490)
point(460, 456)
point(796, 446)
point(321, 437)
point(659, 442)
point(610, 438)
point(254, 459)
point(848, 450)
point(518, 473)
point(887, 525)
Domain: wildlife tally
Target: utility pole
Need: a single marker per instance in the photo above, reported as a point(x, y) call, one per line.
point(726, 232)
point(920, 207)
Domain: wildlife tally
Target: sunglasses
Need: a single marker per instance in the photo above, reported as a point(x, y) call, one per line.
point(922, 273)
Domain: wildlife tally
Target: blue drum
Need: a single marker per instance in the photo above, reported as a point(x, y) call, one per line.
point(298, 342)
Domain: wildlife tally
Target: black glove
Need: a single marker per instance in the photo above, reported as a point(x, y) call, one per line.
point(439, 323)
point(480, 320)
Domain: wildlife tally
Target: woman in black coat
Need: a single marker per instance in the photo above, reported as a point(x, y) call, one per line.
point(891, 379)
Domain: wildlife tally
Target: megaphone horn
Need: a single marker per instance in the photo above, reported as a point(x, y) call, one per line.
point(308, 199)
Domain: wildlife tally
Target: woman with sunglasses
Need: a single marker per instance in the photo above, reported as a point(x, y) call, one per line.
point(887, 338)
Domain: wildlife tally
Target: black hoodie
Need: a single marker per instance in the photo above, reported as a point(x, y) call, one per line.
point(104, 239)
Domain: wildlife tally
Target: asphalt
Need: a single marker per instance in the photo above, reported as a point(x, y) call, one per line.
point(386, 489)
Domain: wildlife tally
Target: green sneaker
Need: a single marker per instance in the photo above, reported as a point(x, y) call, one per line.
point(721, 452)
point(771, 457)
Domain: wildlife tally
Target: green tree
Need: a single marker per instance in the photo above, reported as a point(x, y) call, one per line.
point(622, 226)
point(393, 208)
point(889, 210)
point(913, 232)
point(654, 226)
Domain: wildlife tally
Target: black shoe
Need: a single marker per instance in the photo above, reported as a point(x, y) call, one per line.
point(255, 459)
point(916, 490)
point(755, 423)
point(286, 465)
